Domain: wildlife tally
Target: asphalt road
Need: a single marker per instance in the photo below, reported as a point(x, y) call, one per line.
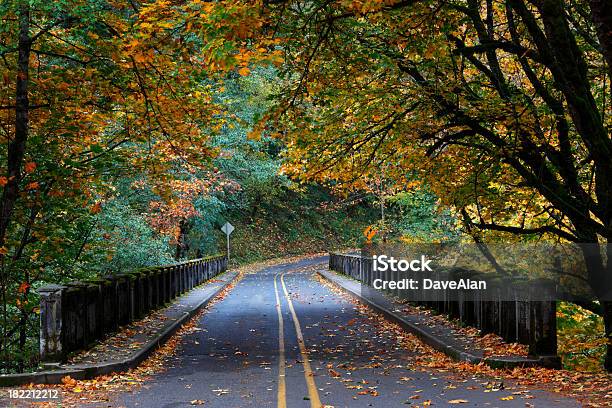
point(327, 354)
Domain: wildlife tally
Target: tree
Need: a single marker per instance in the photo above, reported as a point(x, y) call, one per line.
point(502, 107)
point(93, 90)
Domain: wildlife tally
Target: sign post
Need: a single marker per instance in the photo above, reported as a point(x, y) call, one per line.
point(228, 229)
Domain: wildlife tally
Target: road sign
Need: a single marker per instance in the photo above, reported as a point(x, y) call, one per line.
point(227, 228)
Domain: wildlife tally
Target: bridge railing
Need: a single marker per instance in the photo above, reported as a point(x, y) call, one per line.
point(521, 320)
point(77, 314)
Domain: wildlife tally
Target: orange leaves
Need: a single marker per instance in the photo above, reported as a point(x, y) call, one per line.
point(178, 197)
point(69, 381)
point(23, 287)
point(144, 57)
point(32, 186)
point(333, 373)
point(96, 208)
point(3, 181)
point(371, 392)
point(56, 193)
point(29, 167)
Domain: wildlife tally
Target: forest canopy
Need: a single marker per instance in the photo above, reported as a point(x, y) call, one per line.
point(479, 120)
point(501, 108)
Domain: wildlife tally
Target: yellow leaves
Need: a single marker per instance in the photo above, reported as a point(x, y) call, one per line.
point(508, 398)
point(165, 24)
point(244, 71)
point(458, 401)
point(3, 251)
point(433, 50)
point(255, 134)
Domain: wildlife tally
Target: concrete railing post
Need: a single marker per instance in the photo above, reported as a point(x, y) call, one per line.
point(51, 350)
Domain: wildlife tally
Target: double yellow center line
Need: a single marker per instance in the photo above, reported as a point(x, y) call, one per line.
point(313, 392)
point(281, 396)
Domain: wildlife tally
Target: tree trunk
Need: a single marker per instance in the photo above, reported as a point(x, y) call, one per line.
point(607, 312)
point(16, 148)
point(601, 13)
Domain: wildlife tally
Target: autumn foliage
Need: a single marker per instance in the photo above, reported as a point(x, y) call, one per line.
point(498, 109)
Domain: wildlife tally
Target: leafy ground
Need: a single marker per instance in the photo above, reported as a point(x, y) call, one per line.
point(490, 343)
point(592, 389)
point(267, 238)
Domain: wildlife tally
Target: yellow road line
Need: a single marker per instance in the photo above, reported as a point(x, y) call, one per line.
point(281, 395)
point(313, 393)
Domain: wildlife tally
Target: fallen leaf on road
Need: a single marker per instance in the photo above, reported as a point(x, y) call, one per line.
point(334, 373)
point(458, 401)
point(373, 393)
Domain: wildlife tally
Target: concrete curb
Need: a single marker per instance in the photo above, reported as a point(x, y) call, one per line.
point(439, 344)
point(89, 371)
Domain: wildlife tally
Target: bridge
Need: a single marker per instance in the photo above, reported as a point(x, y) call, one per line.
point(291, 334)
